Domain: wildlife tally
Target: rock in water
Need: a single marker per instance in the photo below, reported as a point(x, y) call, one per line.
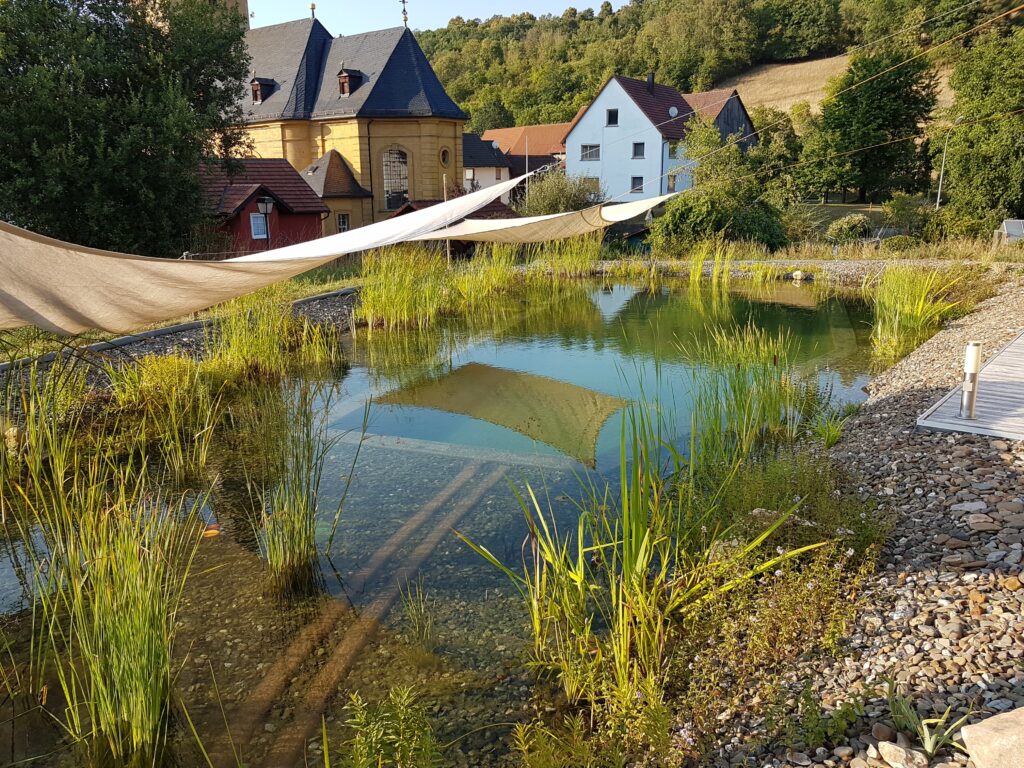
point(997, 742)
point(898, 757)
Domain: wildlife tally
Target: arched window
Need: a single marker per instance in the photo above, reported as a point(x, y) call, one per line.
point(396, 179)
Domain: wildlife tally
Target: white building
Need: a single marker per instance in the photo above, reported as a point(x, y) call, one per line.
point(484, 164)
point(632, 137)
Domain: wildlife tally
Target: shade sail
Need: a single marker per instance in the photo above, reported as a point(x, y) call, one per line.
point(69, 289)
point(565, 416)
point(539, 229)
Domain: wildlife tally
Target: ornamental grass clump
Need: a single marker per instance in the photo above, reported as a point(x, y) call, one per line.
point(287, 526)
point(910, 306)
point(109, 586)
point(403, 286)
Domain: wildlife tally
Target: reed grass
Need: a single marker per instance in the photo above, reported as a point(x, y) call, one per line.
point(419, 614)
point(403, 286)
point(287, 528)
point(109, 591)
point(910, 306)
point(570, 257)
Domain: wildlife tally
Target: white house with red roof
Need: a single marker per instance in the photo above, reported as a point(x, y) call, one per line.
point(632, 138)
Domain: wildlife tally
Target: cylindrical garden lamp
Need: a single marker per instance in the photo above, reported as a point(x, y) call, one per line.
point(969, 390)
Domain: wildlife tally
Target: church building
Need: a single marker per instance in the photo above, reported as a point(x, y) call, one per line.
point(363, 117)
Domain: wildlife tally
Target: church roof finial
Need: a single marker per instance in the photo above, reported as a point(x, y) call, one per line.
point(405, 12)
point(312, 10)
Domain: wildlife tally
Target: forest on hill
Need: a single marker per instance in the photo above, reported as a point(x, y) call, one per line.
point(522, 69)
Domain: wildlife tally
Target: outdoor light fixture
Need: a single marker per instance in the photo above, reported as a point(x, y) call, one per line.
point(266, 207)
point(969, 390)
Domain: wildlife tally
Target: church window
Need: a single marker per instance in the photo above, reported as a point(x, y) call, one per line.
point(396, 179)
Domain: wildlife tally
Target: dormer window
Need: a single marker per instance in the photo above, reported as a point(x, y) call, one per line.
point(262, 87)
point(348, 81)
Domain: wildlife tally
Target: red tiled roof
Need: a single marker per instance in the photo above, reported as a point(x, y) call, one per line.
point(226, 194)
point(710, 104)
point(548, 139)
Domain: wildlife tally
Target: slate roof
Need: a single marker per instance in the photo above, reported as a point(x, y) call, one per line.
point(330, 176)
point(477, 153)
point(655, 100)
point(226, 194)
point(304, 59)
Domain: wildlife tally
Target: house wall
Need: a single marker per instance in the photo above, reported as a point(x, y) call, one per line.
point(617, 166)
point(285, 229)
point(362, 142)
point(484, 177)
point(359, 210)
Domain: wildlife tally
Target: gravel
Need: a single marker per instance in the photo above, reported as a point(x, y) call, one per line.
point(944, 612)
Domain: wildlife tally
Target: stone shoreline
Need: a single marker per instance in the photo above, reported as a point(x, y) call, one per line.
point(944, 612)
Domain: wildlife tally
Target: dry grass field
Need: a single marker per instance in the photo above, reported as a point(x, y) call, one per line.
point(783, 85)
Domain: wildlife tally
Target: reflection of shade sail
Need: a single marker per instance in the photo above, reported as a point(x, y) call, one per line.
point(562, 415)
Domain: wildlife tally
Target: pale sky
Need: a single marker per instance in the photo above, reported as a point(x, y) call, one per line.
point(352, 16)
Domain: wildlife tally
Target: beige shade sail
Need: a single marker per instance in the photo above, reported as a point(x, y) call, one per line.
point(69, 289)
point(565, 416)
point(540, 229)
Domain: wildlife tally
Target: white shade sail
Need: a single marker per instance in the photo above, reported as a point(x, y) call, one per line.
point(70, 289)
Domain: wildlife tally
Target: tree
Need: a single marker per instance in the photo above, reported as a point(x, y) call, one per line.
point(794, 29)
point(773, 157)
point(985, 161)
point(874, 117)
point(556, 192)
point(118, 104)
point(490, 114)
point(726, 199)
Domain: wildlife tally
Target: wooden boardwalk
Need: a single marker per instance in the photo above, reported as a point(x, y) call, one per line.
point(1000, 404)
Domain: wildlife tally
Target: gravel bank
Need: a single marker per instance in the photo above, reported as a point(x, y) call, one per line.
point(944, 613)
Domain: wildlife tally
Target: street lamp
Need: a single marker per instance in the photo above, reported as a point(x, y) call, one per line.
point(942, 171)
point(266, 207)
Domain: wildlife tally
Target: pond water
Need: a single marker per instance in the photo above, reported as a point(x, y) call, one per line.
point(529, 392)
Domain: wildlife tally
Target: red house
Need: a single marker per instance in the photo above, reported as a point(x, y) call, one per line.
point(262, 204)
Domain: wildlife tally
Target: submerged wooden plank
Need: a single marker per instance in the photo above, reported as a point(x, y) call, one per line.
point(999, 409)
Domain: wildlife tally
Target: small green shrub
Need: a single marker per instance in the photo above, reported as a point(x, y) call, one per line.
point(395, 732)
point(849, 228)
point(558, 192)
point(801, 223)
point(906, 213)
point(900, 244)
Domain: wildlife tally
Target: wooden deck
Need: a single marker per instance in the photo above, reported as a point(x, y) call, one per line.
point(1000, 404)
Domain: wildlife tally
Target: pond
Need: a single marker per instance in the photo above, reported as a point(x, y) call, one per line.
point(435, 428)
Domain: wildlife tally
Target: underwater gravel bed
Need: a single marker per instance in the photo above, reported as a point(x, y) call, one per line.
point(944, 611)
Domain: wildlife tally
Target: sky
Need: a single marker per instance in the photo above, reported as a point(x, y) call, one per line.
point(346, 17)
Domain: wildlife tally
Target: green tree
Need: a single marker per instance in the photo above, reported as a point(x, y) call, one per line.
point(773, 157)
point(557, 192)
point(490, 114)
point(985, 162)
point(726, 199)
point(874, 116)
point(118, 104)
point(793, 29)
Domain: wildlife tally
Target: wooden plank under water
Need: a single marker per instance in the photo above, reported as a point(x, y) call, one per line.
point(1000, 404)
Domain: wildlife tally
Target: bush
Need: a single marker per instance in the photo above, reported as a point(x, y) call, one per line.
point(906, 213)
point(849, 228)
point(800, 223)
point(900, 243)
point(695, 217)
point(557, 192)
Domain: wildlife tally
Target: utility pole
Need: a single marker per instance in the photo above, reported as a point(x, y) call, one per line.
point(942, 171)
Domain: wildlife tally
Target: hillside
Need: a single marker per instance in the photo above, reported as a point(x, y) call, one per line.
point(783, 85)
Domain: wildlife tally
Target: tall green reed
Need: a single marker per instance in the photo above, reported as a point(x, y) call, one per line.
point(910, 305)
point(109, 589)
point(402, 286)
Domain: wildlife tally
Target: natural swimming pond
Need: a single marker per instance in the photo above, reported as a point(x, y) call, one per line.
point(435, 427)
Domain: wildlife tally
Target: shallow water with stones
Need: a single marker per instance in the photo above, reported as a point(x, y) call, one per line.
point(436, 451)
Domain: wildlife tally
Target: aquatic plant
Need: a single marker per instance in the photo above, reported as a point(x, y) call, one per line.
point(605, 600)
point(287, 526)
point(394, 732)
point(402, 286)
point(911, 304)
point(491, 271)
point(567, 258)
point(109, 592)
point(419, 614)
point(827, 428)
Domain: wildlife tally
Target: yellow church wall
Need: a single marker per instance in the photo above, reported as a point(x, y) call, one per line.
point(358, 210)
point(362, 142)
